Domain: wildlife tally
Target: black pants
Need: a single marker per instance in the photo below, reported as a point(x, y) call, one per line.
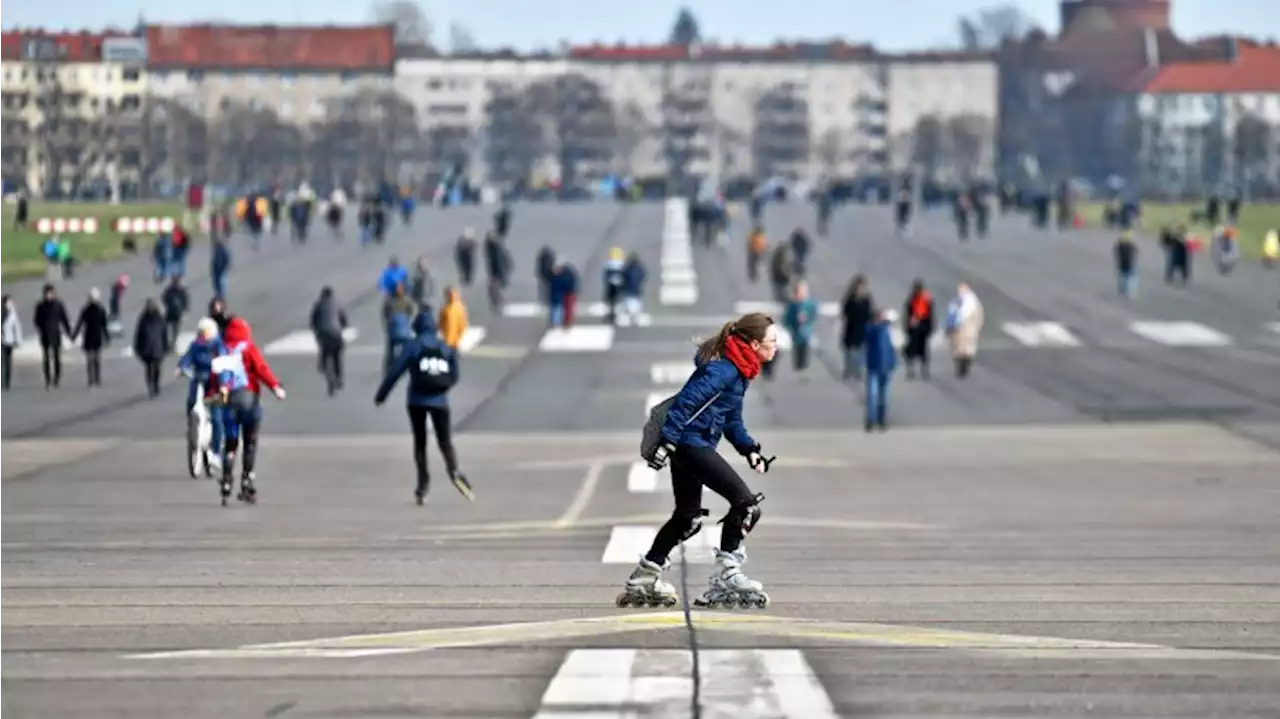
point(692, 468)
point(444, 439)
point(331, 360)
point(51, 355)
point(173, 324)
point(151, 371)
point(801, 356)
point(7, 365)
point(93, 366)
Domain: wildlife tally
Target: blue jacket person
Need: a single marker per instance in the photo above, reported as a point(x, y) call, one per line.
point(708, 407)
point(432, 367)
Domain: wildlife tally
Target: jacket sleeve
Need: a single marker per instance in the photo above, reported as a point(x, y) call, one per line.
point(736, 432)
point(699, 390)
point(399, 365)
point(184, 362)
point(257, 365)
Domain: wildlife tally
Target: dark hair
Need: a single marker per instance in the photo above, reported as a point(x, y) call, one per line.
point(859, 280)
point(748, 327)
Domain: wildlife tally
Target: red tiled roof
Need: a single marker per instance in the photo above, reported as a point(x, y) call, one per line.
point(1256, 69)
point(270, 47)
point(78, 46)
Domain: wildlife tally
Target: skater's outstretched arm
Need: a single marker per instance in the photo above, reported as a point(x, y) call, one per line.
point(735, 429)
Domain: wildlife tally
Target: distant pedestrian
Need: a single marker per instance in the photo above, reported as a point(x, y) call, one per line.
point(881, 360)
point(176, 301)
point(1126, 253)
point(52, 324)
point(219, 266)
point(10, 338)
point(150, 344)
point(92, 329)
point(800, 320)
point(918, 326)
point(328, 321)
point(964, 326)
point(856, 312)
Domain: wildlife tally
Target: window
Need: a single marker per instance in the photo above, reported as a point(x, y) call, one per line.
point(131, 74)
point(286, 80)
point(434, 84)
point(195, 75)
point(130, 102)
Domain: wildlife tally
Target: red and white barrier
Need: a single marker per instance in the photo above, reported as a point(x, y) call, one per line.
point(66, 225)
point(145, 224)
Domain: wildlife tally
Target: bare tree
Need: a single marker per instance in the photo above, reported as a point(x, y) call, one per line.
point(969, 139)
point(250, 145)
point(413, 27)
point(461, 40)
point(171, 143)
point(928, 145)
point(1252, 141)
point(632, 128)
point(831, 151)
point(578, 121)
point(513, 138)
point(367, 136)
point(990, 27)
point(686, 30)
point(780, 140)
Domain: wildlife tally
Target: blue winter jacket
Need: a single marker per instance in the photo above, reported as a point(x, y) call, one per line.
point(564, 284)
point(411, 360)
point(392, 276)
point(723, 417)
point(198, 359)
point(633, 280)
point(881, 355)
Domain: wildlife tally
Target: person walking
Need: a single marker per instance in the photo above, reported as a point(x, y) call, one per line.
point(918, 327)
point(150, 344)
point(92, 329)
point(433, 370)
point(10, 338)
point(801, 319)
point(881, 361)
point(855, 311)
point(176, 301)
point(707, 407)
point(52, 324)
point(964, 326)
point(328, 321)
point(1126, 253)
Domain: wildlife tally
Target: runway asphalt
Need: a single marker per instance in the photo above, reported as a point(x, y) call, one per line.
point(1082, 528)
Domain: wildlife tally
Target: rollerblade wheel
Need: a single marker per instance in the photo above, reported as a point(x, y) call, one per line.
point(669, 602)
point(623, 601)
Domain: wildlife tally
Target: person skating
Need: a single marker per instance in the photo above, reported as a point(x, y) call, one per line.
point(51, 323)
point(91, 328)
point(242, 372)
point(433, 370)
point(707, 407)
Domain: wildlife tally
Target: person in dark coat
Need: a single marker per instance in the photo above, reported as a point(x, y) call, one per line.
point(918, 324)
point(432, 367)
point(150, 344)
point(328, 320)
point(545, 268)
point(176, 302)
point(219, 265)
point(498, 263)
point(881, 360)
point(92, 330)
point(51, 322)
point(856, 312)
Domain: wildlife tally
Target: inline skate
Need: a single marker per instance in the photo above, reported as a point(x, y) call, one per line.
point(730, 587)
point(224, 487)
point(248, 493)
point(645, 587)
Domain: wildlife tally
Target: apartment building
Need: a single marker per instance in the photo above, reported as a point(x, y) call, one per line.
point(708, 111)
point(72, 106)
point(250, 105)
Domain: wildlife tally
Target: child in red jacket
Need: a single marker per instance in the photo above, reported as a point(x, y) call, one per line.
point(241, 373)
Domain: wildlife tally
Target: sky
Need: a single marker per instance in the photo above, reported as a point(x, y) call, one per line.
point(893, 25)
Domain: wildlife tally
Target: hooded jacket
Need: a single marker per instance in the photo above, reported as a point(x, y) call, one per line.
point(453, 320)
point(722, 418)
point(391, 276)
point(238, 338)
point(881, 356)
point(398, 314)
point(431, 364)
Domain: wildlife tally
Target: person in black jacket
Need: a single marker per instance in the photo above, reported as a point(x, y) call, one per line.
point(51, 322)
point(328, 320)
point(917, 318)
point(1126, 265)
point(176, 302)
point(91, 328)
point(150, 344)
point(857, 312)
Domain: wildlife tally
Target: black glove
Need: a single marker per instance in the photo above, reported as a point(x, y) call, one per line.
point(758, 461)
point(661, 455)
point(377, 401)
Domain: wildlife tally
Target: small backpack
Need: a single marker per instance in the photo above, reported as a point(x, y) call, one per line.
point(651, 434)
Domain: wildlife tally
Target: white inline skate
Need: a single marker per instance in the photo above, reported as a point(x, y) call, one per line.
point(730, 587)
point(645, 587)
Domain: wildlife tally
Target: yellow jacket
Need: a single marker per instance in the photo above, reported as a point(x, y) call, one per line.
point(453, 320)
point(1271, 246)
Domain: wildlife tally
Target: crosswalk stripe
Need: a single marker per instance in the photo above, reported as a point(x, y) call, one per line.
point(579, 338)
point(471, 338)
point(303, 342)
point(740, 683)
point(653, 400)
point(678, 295)
point(641, 478)
point(628, 542)
point(1180, 334)
point(1041, 334)
point(786, 342)
point(526, 310)
point(670, 372)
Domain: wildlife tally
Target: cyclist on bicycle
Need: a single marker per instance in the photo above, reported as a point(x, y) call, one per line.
point(241, 373)
point(197, 363)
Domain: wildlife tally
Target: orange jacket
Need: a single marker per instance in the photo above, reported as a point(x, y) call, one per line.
point(453, 320)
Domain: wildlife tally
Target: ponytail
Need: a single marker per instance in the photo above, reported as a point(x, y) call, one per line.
point(713, 347)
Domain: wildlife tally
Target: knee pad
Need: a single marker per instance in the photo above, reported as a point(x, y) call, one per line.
point(744, 514)
point(692, 524)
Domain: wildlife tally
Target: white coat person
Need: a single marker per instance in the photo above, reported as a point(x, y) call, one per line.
point(964, 326)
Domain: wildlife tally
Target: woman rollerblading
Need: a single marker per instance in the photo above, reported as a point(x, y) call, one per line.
point(685, 431)
point(242, 372)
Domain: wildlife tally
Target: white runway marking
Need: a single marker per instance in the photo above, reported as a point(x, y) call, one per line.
point(684, 295)
point(579, 338)
point(628, 542)
point(641, 478)
point(657, 683)
point(1041, 334)
point(775, 309)
point(582, 498)
point(670, 372)
point(1180, 334)
point(471, 338)
point(785, 341)
point(303, 342)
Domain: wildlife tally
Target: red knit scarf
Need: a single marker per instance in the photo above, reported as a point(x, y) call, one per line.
point(737, 351)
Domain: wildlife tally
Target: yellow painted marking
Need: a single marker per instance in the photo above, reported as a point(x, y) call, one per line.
point(754, 624)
